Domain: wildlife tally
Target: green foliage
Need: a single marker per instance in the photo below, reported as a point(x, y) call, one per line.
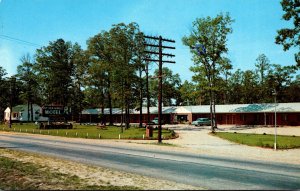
point(212, 34)
point(188, 93)
point(170, 87)
point(27, 77)
point(289, 37)
point(256, 86)
point(4, 95)
point(115, 57)
point(54, 67)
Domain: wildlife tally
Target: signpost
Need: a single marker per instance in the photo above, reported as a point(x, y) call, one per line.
point(56, 117)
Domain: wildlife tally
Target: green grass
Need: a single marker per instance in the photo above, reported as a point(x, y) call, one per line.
point(88, 131)
point(261, 140)
point(16, 175)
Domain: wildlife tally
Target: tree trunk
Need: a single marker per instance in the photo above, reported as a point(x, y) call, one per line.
point(28, 110)
point(31, 110)
point(109, 101)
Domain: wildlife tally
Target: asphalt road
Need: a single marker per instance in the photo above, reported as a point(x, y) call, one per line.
point(193, 169)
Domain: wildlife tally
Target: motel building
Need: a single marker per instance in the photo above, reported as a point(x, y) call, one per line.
point(288, 114)
point(20, 113)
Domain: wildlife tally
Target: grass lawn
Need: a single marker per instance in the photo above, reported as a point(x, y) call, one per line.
point(88, 131)
point(261, 140)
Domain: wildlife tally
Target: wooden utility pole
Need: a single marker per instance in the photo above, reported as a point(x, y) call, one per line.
point(12, 95)
point(160, 62)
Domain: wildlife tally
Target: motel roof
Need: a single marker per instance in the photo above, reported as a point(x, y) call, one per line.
point(230, 108)
point(247, 108)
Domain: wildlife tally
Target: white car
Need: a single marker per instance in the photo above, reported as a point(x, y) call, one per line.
point(201, 121)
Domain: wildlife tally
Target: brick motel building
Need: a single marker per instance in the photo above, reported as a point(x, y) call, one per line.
point(288, 114)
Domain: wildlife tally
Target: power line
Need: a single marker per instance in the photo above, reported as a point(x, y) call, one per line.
point(19, 41)
point(160, 74)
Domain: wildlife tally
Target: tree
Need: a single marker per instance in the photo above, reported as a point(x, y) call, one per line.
point(126, 40)
point(5, 94)
point(289, 37)
point(80, 67)
point(100, 52)
point(249, 87)
point(54, 67)
point(170, 87)
point(209, 37)
point(224, 69)
point(280, 78)
point(202, 84)
point(116, 56)
point(262, 69)
point(188, 93)
point(235, 87)
point(27, 77)
point(262, 66)
point(291, 93)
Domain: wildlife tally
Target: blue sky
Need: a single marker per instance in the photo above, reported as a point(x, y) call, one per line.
point(41, 21)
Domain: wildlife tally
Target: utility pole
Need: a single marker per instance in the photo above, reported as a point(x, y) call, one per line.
point(12, 92)
point(147, 92)
point(275, 122)
point(160, 62)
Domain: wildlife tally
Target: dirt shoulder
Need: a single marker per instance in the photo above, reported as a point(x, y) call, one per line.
point(92, 176)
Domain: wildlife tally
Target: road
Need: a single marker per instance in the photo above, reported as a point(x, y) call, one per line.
point(193, 169)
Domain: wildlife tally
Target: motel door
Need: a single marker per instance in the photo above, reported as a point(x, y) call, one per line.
point(230, 119)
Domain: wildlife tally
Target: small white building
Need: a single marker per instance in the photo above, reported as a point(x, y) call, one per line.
point(20, 113)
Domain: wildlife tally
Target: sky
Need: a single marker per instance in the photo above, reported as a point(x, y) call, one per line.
point(26, 25)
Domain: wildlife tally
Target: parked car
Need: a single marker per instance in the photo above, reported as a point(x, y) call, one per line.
point(201, 121)
point(155, 121)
